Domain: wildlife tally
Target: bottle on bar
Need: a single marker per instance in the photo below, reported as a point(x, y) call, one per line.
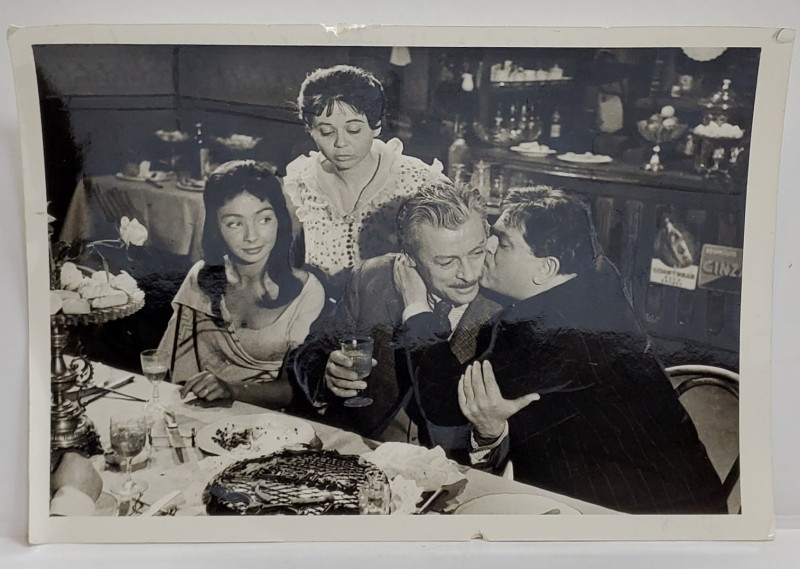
point(496, 131)
point(534, 130)
point(458, 155)
point(498, 117)
point(523, 121)
point(512, 119)
point(555, 125)
point(200, 163)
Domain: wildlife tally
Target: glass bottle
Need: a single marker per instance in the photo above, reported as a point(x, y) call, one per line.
point(482, 180)
point(200, 169)
point(523, 122)
point(458, 155)
point(498, 117)
point(555, 125)
point(512, 118)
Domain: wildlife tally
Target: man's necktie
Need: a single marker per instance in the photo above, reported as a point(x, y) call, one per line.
point(441, 311)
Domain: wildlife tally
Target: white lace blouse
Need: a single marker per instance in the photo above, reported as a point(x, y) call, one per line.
point(337, 240)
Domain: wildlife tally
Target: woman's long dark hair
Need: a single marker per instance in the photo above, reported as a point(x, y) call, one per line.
point(224, 184)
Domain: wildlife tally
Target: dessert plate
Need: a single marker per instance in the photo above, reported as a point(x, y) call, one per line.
point(254, 435)
point(585, 158)
point(529, 504)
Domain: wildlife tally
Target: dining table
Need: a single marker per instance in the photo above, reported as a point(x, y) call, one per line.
point(172, 212)
point(167, 470)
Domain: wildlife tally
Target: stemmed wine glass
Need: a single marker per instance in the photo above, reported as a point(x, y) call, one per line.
point(359, 350)
point(128, 434)
point(155, 365)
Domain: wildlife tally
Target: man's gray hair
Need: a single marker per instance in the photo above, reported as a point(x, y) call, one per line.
point(440, 204)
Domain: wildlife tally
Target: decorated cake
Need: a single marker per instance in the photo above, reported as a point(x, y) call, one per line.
point(292, 481)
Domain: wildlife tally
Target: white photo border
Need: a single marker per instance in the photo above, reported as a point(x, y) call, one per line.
point(757, 519)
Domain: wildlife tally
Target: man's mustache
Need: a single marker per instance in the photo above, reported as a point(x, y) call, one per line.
point(464, 286)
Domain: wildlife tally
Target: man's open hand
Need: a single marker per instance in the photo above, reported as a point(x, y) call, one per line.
point(482, 403)
point(408, 281)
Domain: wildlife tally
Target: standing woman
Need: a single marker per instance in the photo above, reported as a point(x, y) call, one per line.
point(242, 308)
point(346, 196)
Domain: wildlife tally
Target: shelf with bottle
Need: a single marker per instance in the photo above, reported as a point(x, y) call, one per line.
point(530, 85)
point(510, 127)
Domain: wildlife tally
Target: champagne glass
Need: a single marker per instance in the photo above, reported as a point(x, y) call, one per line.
point(128, 434)
point(155, 365)
point(359, 350)
point(374, 495)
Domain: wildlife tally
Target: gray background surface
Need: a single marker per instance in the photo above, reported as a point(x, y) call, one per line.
point(784, 552)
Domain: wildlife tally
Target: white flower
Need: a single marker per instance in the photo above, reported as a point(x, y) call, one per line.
point(132, 232)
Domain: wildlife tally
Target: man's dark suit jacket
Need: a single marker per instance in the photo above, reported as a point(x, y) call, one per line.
point(608, 428)
point(372, 305)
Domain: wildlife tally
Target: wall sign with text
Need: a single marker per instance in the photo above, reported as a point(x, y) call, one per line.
point(721, 268)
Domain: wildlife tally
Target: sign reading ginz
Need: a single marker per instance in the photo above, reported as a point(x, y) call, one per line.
point(720, 268)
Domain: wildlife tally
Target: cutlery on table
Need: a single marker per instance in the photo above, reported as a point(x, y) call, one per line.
point(103, 390)
point(159, 504)
point(427, 504)
point(174, 435)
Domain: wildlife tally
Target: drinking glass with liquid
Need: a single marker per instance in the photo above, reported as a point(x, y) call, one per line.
point(374, 495)
point(155, 365)
point(128, 434)
point(359, 350)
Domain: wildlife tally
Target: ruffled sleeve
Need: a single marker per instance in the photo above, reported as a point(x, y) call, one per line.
point(298, 182)
point(434, 171)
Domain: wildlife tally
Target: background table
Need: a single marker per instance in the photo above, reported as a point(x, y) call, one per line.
point(165, 472)
point(173, 217)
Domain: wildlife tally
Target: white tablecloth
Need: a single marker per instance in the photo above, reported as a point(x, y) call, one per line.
point(173, 217)
point(164, 472)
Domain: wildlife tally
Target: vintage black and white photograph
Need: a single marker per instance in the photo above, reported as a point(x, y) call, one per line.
point(420, 282)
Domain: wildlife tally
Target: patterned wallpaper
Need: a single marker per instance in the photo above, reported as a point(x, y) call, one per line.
point(251, 74)
point(106, 69)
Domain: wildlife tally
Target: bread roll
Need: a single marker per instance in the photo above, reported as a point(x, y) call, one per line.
point(91, 289)
point(65, 294)
point(76, 306)
point(71, 276)
point(55, 303)
point(124, 282)
point(116, 299)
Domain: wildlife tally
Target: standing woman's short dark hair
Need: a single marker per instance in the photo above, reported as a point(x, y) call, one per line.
point(258, 179)
point(346, 84)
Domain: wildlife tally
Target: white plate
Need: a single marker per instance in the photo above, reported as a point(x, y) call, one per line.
point(274, 431)
point(531, 151)
point(587, 158)
point(154, 176)
point(529, 504)
point(192, 186)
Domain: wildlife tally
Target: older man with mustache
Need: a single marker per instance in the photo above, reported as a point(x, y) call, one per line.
point(428, 294)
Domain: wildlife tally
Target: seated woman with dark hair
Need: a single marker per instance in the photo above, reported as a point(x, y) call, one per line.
point(346, 196)
point(242, 308)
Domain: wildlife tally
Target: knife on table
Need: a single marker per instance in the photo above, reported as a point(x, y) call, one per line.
point(173, 433)
point(99, 391)
point(159, 504)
